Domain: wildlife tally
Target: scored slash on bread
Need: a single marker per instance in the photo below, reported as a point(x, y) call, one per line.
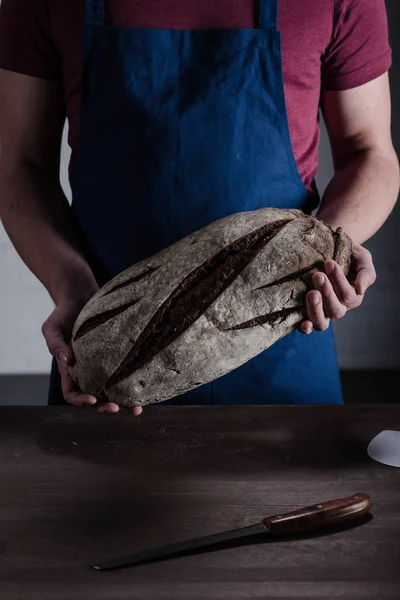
point(202, 307)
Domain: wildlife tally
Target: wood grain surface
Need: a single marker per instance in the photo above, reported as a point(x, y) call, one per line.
point(76, 486)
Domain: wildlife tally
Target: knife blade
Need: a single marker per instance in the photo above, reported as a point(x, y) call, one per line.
point(303, 520)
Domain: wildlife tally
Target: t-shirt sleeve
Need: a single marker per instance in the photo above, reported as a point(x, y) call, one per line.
point(26, 44)
point(359, 50)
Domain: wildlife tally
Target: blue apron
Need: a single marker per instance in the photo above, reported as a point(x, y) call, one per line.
point(179, 129)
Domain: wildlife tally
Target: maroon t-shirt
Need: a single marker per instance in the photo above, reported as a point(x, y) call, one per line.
point(328, 44)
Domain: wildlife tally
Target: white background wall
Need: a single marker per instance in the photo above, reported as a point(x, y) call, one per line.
point(367, 338)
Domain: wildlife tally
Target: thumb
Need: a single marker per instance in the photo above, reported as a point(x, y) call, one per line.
point(54, 336)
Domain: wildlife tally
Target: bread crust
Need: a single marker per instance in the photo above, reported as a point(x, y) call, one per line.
point(167, 324)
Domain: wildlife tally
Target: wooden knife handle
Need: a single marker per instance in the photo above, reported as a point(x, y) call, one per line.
point(314, 517)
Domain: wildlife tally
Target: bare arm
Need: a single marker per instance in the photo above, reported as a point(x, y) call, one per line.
point(36, 214)
point(360, 196)
point(33, 207)
point(365, 186)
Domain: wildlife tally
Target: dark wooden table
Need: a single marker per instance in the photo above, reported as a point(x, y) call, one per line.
point(76, 486)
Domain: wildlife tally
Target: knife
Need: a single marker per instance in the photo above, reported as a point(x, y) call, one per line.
point(304, 520)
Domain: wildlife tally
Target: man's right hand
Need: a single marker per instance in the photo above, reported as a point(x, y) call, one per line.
point(36, 213)
point(57, 331)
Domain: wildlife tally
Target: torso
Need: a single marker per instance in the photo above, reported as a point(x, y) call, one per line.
point(306, 29)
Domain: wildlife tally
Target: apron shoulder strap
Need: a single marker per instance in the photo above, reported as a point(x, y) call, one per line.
point(268, 14)
point(94, 12)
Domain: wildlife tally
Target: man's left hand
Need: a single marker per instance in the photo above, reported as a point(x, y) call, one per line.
point(335, 294)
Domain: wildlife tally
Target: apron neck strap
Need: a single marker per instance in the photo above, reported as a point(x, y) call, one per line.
point(94, 12)
point(268, 18)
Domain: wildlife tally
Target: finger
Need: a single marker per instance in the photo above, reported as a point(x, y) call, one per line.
point(136, 411)
point(366, 276)
point(70, 390)
point(56, 344)
point(306, 327)
point(343, 289)
point(363, 266)
point(108, 408)
point(315, 311)
point(333, 308)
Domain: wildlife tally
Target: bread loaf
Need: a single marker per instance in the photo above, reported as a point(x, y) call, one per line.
point(202, 307)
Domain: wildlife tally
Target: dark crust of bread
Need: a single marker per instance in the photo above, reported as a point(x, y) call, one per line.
point(202, 307)
point(191, 298)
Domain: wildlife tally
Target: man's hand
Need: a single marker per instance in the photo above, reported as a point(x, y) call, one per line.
point(335, 294)
point(36, 213)
point(57, 331)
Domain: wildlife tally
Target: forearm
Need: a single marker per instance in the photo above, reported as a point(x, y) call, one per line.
point(38, 220)
point(362, 194)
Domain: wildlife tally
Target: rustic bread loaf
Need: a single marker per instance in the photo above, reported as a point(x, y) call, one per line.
point(202, 307)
